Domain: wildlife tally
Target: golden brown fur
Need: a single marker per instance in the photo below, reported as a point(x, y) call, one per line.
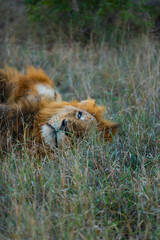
point(30, 101)
point(16, 86)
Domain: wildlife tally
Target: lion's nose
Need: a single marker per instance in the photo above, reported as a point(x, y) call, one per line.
point(63, 125)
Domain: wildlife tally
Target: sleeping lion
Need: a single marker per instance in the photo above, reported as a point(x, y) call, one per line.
point(31, 107)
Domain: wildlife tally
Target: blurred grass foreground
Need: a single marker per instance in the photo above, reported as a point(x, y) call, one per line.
point(97, 190)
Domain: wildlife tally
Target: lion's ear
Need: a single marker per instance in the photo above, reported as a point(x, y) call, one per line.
point(107, 129)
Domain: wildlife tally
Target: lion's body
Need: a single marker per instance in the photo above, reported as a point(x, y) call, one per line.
point(32, 85)
point(30, 101)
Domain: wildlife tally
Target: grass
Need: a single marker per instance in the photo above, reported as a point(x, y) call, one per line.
point(97, 190)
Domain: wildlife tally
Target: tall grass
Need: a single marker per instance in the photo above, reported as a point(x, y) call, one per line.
point(97, 190)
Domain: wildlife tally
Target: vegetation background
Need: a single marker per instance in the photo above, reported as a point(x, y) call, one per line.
point(108, 50)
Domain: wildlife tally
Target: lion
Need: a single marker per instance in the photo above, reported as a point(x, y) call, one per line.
point(30, 103)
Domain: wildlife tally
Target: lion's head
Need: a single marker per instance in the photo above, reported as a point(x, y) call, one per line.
point(70, 122)
point(59, 123)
